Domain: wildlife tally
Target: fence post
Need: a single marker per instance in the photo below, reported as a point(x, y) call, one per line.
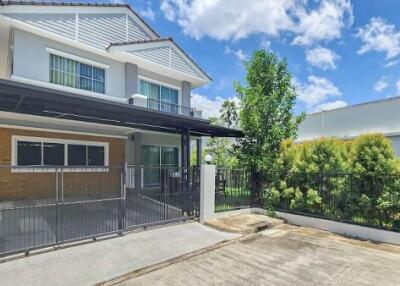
point(207, 192)
point(121, 217)
point(57, 207)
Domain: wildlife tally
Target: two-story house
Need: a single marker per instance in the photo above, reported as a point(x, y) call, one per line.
point(94, 85)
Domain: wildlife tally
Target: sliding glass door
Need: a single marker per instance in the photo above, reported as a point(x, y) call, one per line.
point(156, 157)
point(161, 97)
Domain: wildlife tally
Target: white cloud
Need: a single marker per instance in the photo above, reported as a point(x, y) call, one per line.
point(381, 84)
point(149, 14)
point(391, 63)
point(239, 54)
point(238, 19)
point(330, 105)
point(230, 19)
point(324, 22)
point(322, 58)
point(381, 36)
point(265, 44)
point(210, 107)
point(168, 10)
point(316, 91)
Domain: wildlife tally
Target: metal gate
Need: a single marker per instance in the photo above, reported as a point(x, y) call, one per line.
point(46, 206)
point(232, 189)
point(161, 194)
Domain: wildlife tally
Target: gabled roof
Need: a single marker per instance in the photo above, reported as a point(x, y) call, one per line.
point(144, 43)
point(78, 4)
point(168, 55)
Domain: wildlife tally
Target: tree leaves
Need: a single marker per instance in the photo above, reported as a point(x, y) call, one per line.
point(266, 115)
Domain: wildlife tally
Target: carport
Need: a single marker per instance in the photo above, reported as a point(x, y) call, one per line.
point(74, 213)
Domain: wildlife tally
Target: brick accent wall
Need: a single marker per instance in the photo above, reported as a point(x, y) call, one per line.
point(37, 186)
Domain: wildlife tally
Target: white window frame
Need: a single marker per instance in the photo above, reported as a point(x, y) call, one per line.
point(66, 142)
point(160, 147)
point(161, 83)
point(77, 58)
point(82, 60)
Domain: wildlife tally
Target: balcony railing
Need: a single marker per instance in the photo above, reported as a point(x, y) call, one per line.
point(143, 101)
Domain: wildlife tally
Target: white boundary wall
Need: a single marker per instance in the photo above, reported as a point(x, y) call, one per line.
point(207, 192)
point(353, 230)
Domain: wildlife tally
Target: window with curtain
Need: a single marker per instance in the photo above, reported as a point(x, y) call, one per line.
point(75, 74)
point(155, 157)
point(161, 97)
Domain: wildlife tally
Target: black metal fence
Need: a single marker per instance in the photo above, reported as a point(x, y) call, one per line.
point(232, 189)
point(45, 206)
point(172, 108)
point(366, 199)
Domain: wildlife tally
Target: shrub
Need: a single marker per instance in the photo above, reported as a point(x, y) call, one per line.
point(372, 154)
point(341, 179)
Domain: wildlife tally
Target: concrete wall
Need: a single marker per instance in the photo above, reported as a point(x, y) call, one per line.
point(186, 89)
point(131, 72)
point(382, 117)
point(33, 62)
point(207, 192)
point(395, 143)
point(343, 228)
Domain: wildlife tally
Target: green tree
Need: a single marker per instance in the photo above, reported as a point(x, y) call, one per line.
point(221, 151)
point(228, 113)
point(267, 100)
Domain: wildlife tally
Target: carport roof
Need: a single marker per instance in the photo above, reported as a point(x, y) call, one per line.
point(36, 100)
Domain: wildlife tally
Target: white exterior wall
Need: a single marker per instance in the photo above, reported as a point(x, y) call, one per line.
point(378, 117)
point(31, 61)
point(87, 32)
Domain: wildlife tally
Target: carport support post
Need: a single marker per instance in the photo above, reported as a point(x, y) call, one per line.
point(207, 192)
point(199, 151)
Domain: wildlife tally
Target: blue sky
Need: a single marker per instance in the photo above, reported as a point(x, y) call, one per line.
point(340, 52)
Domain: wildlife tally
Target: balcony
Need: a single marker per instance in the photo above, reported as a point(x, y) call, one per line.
point(144, 101)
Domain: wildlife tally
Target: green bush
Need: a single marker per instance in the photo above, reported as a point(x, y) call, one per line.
point(372, 154)
point(356, 180)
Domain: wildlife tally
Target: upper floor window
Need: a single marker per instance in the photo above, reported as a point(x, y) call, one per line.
point(75, 74)
point(161, 97)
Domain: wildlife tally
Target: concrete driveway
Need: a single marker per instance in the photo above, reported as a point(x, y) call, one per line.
point(40, 224)
point(286, 255)
point(92, 263)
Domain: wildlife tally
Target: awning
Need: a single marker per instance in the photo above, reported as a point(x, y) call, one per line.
point(30, 99)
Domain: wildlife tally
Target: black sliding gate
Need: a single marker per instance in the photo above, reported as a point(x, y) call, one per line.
point(46, 206)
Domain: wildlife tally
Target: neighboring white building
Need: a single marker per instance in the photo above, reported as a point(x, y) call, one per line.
point(381, 116)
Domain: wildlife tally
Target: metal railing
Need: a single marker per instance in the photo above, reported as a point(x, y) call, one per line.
point(173, 108)
point(232, 189)
point(364, 199)
point(46, 206)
